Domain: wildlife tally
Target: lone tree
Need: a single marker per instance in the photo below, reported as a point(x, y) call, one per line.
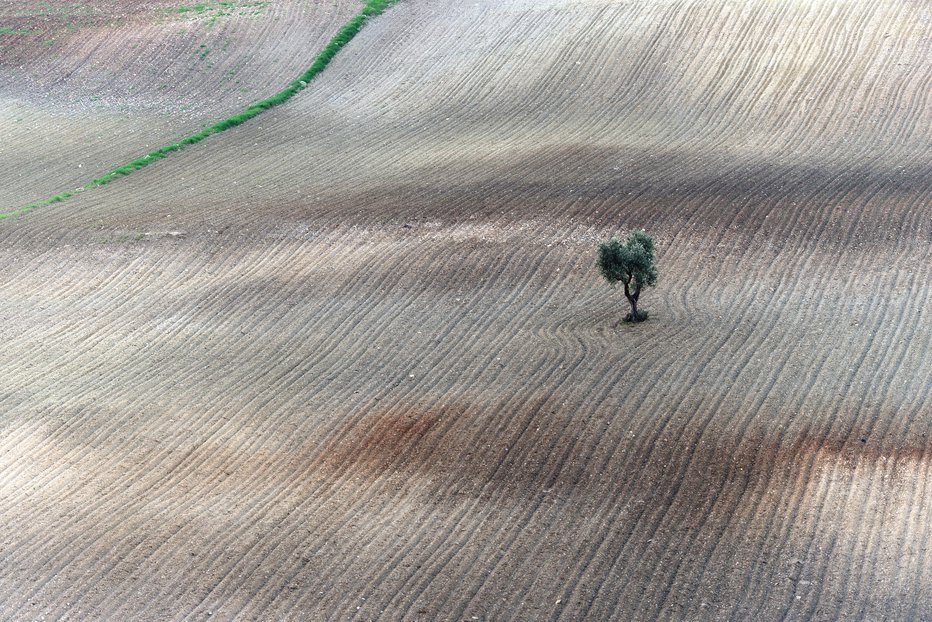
point(631, 262)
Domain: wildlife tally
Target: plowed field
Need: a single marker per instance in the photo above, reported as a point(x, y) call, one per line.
point(352, 359)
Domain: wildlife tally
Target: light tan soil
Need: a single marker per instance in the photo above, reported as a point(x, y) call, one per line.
point(352, 360)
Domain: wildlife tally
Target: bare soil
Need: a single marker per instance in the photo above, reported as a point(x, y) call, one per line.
point(89, 87)
point(352, 359)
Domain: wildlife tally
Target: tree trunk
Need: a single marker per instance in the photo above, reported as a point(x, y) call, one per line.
point(634, 310)
point(633, 300)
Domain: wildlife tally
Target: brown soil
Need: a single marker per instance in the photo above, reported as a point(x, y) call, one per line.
point(352, 360)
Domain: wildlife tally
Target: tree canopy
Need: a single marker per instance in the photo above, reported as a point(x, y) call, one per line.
point(630, 262)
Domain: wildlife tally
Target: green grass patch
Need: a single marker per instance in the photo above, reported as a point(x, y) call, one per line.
point(220, 9)
point(6, 30)
point(345, 34)
point(197, 8)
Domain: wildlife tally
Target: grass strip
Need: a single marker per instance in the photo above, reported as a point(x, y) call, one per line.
point(346, 33)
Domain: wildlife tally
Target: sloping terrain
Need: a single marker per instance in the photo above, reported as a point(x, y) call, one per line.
point(90, 86)
point(352, 359)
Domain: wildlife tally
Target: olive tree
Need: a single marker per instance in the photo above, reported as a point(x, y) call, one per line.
point(630, 262)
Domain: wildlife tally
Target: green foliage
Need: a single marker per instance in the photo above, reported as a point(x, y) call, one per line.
point(197, 8)
point(630, 261)
point(346, 33)
point(222, 8)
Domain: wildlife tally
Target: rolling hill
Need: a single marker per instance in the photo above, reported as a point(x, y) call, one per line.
point(352, 359)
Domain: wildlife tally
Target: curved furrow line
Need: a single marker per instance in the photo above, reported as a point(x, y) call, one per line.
point(417, 544)
point(154, 486)
point(402, 401)
point(61, 67)
point(33, 335)
point(796, 493)
point(348, 427)
point(468, 442)
point(815, 191)
point(167, 544)
point(739, 430)
point(676, 406)
point(639, 457)
point(920, 531)
point(811, 373)
point(818, 501)
point(607, 387)
point(117, 312)
point(883, 380)
point(913, 227)
point(789, 229)
point(61, 364)
point(403, 38)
